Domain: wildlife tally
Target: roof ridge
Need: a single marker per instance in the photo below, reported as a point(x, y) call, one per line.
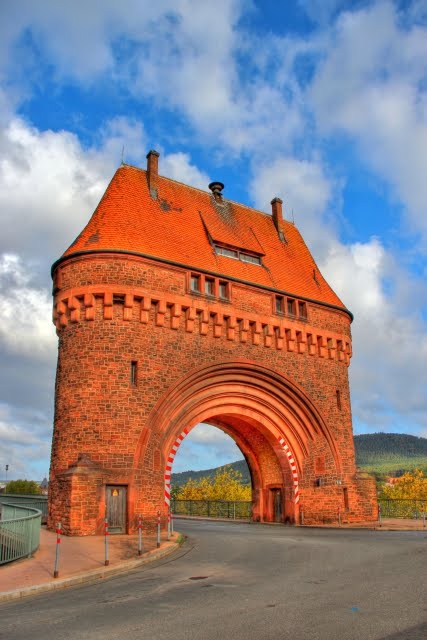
point(190, 186)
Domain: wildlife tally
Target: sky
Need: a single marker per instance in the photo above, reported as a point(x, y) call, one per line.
point(320, 102)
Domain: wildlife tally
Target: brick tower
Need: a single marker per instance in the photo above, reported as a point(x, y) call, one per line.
point(176, 306)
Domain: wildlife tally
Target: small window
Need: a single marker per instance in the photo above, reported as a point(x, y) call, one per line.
point(279, 304)
point(245, 257)
point(302, 310)
point(195, 283)
point(134, 373)
point(209, 286)
point(224, 291)
point(291, 307)
point(346, 502)
point(338, 394)
point(223, 251)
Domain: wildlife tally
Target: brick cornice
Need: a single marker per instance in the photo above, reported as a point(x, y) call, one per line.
point(181, 313)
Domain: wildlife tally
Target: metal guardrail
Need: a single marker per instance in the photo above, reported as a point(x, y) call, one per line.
point(19, 532)
point(36, 501)
point(235, 510)
point(403, 508)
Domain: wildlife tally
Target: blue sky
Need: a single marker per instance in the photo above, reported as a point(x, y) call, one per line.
point(321, 102)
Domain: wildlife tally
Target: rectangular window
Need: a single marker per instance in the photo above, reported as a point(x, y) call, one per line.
point(224, 291)
point(302, 310)
point(338, 393)
point(195, 283)
point(223, 251)
point(209, 286)
point(134, 373)
point(291, 307)
point(279, 304)
point(245, 257)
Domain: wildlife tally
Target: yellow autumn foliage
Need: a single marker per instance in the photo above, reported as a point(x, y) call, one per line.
point(412, 485)
point(225, 485)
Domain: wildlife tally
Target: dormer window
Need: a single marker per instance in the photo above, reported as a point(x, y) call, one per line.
point(224, 251)
point(237, 254)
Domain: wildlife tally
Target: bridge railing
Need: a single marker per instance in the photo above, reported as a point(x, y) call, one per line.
point(235, 510)
point(403, 508)
point(36, 501)
point(19, 532)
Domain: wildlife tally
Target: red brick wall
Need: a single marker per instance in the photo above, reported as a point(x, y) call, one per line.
point(111, 310)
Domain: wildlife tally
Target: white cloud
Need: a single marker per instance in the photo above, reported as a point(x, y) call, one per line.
point(380, 99)
point(178, 166)
point(25, 312)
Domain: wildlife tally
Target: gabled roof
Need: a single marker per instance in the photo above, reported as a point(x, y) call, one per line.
point(180, 223)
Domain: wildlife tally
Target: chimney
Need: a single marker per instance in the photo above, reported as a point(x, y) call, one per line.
point(276, 209)
point(216, 188)
point(152, 172)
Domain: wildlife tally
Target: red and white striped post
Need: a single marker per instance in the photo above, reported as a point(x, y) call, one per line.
point(140, 535)
point(169, 524)
point(58, 542)
point(158, 528)
point(107, 561)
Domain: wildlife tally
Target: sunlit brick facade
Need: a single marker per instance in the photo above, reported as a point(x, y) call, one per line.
point(175, 306)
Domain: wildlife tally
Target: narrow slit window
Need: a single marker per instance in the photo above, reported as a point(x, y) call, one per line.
point(346, 503)
point(134, 373)
point(338, 394)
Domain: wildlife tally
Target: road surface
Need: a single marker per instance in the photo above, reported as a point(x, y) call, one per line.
point(247, 582)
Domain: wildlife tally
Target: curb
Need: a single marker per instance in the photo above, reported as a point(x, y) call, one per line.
point(92, 575)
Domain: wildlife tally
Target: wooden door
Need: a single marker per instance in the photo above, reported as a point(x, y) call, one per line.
point(277, 505)
point(115, 500)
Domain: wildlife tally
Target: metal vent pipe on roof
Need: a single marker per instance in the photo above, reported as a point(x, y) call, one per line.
point(216, 188)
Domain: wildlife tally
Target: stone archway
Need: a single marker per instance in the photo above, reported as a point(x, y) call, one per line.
point(271, 420)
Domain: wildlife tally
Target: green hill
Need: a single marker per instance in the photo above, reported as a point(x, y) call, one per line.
point(390, 453)
point(378, 453)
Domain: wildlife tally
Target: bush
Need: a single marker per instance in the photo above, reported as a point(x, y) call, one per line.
point(26, 487)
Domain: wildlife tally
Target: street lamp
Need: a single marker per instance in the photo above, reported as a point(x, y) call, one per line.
point(7, 469)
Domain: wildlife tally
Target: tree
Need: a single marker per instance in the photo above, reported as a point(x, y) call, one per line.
point(26, 487)
point(412, 485)
point(225, 485)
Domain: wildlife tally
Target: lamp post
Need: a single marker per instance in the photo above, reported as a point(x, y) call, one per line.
point(7, 469)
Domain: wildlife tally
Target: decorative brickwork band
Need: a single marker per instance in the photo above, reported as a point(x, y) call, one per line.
point(293, 468)
point(169, 464)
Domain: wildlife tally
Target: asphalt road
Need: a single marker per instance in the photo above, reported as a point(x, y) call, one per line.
point(247, 582)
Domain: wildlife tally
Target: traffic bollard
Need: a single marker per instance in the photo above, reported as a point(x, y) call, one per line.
point(169, 524)
point(58, 542)
point(140, 535)
point(339, 516)
point(158, 528)
point(301, 517)
point(379, 515)
point(107, 561)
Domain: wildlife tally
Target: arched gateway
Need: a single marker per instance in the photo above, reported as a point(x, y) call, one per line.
point(173, 307)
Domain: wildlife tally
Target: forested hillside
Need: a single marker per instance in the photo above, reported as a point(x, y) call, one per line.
point(390, 453)
point(379, 453)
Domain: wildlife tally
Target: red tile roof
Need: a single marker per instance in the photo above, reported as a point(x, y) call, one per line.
point(175, 226)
